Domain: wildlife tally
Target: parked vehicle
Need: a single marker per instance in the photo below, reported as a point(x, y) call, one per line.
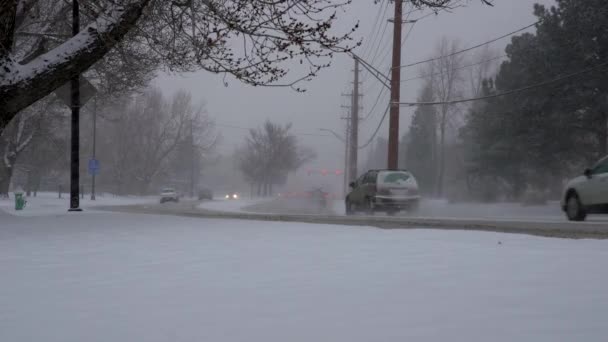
point(389, 191)
point(205, 194)
point(169, 195)
point(587, 193)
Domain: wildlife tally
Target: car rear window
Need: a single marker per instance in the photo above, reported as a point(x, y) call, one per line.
point(393, 177)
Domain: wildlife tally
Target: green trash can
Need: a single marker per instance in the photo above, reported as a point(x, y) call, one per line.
point(19, 201)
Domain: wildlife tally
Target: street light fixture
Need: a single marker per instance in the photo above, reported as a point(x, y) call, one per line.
point(75, 123)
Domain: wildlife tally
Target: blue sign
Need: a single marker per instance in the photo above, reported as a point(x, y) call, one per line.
point(93, 166)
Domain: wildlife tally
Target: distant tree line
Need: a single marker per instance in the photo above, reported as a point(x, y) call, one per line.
point(540, 137)
point(144, 141)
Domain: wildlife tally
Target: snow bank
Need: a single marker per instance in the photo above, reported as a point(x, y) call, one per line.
point(118, 277)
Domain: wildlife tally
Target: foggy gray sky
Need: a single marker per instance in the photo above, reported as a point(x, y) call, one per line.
point(241, 105)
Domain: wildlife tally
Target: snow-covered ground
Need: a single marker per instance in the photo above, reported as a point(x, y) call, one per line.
point(47, 203)
point(126, 277)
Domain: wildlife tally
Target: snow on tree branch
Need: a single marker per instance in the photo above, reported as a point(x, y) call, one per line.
point(21, 85)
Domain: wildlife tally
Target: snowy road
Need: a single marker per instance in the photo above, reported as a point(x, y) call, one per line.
point(126, 277)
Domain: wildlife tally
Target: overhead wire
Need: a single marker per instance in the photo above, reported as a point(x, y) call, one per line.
point(369, 66)
point(509, 92)
point(373, 34)
point(377, 38)
point(403, 40)
point(471, 47)
point(455, 69)
point(250, 128)
point(371, 139)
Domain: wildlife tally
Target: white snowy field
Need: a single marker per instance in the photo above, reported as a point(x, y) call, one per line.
point(47, 203)
point(126, 277)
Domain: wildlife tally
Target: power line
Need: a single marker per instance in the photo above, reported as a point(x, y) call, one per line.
point(375, 27)
point(510, 92)
point(248, 129)
point(371, 139)
point(371, 111)
point(459, 68)
point(372, 70)
point(377, 73)
point(435, 13)
point(386, 50)
point(470, 48)
point(376, 36)
point(537, 85)
point(386, 42)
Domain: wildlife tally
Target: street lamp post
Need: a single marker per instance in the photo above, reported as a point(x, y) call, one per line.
point(75, 129)
point(94, 148)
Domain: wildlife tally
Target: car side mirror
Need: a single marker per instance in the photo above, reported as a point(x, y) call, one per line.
point(587, 173)
point(351, 184)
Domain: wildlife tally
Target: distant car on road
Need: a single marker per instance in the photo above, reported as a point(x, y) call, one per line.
point(232, 196)
point(169, 195)
point(205, 194)
point(587, 193)
point(389, 191)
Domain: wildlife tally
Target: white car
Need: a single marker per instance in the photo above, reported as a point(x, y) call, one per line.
point(169, 195)
point(587, 193)
point(383, 190)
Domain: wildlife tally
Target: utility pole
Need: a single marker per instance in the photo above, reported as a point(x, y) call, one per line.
point(75, 143)
point(393, 131)
point(354, 124)
point(346, 149)
point(352, 134)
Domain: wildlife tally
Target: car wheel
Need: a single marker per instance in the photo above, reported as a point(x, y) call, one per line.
point(574, 208)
